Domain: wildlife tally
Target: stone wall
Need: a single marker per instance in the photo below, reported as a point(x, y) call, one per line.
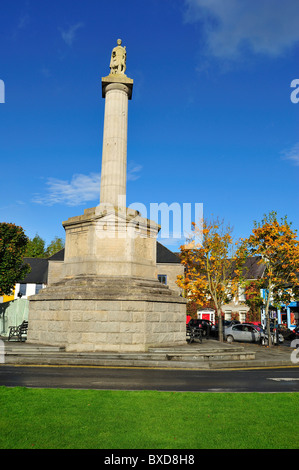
point(172, 271)
point(123, 315)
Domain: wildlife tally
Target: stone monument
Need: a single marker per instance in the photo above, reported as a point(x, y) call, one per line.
point(109, 298)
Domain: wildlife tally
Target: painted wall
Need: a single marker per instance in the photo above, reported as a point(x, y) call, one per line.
point(31, 289)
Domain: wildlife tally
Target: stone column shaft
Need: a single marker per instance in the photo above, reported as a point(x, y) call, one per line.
point(114, 156)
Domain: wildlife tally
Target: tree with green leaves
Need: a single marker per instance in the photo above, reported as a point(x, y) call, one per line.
point(13, 243)
point(36, 248)
point(56, 245)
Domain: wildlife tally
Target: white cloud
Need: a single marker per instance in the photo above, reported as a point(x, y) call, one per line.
point(266, 27)
point(133, 171)
point(81, 189)
point(171, 241)
point(292, 154)
point(69, 35)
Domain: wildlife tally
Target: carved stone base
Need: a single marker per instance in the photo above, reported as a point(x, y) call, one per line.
point(91, 313)
point(110, 242)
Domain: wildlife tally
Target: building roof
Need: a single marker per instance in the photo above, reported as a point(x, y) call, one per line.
point(59, 256)
point(38, 273)
point(164, 255)
point(253, 268)
point(39, 266)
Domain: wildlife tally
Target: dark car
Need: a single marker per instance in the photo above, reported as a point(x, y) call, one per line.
point(285, 332)
point(206, 326)
point(296, 332)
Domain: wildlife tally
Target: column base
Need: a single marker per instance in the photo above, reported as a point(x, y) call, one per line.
point(114, 314)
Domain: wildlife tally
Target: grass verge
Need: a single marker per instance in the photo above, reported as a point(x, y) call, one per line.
point(92, 419)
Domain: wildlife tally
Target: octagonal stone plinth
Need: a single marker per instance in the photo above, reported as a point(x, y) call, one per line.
point(107, 314)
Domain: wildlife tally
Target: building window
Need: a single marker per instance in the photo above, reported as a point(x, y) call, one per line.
point(22, 290)
point(242, 296)
point(242, 317)
point(38, 287)
point(228, 315)
point(162, 278)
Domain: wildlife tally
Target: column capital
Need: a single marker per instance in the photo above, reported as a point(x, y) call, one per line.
point(118, 80)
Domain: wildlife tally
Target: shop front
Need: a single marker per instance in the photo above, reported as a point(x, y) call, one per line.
point(287, 315)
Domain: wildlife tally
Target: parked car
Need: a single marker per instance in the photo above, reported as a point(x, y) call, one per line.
point(296, 332)
point(243, 332)
point(206, 326)
point(248, 333)
point(286, 332)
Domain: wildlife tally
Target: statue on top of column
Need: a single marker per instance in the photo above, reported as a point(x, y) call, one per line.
point(118, 59)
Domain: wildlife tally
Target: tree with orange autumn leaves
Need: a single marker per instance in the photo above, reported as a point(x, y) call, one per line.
point(207, 258)
point(215, 265)
point(278, 247)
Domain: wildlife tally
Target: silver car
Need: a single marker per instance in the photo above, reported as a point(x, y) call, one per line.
point(248, 333)
point(243, 332)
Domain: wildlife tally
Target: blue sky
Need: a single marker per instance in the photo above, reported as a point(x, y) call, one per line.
point(211, 120)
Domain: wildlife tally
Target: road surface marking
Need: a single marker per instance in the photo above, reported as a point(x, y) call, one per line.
point(291, 379)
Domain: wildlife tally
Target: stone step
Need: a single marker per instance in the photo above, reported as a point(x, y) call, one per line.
point(197, 350)
point(179, 360)
point(53, 360)
point(151, 354)
point(189, 356)
point(89, 362)
point(109, 288)
point(20, 349)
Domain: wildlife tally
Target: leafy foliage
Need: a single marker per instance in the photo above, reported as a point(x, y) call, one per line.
point(254, 300)
point(13, 243)
point(56, 245)
point(209, 263)
point(36, 247)
point(278, 247)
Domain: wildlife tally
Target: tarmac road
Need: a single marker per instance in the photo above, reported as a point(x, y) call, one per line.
point(253, 380)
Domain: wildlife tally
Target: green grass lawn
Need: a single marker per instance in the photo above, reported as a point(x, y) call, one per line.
point(91, 419)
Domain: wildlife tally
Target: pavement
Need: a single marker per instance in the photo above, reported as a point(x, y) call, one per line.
point(210, 354)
